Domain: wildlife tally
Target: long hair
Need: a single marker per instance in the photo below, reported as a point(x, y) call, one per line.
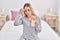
point(29, 5)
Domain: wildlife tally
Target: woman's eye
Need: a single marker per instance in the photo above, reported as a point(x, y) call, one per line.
point(28, 10)
point(25, 10)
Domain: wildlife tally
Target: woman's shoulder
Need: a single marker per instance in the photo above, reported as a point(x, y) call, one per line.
point(37, 17)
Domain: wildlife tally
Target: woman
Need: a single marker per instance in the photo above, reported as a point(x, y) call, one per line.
point(31, 23)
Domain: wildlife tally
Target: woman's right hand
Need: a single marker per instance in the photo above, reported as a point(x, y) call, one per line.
point(22, 11)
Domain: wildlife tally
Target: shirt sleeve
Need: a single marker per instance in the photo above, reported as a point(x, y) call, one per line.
point(38, 29)
point(18, 19)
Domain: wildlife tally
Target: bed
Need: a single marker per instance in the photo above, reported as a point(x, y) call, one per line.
point(11, 32)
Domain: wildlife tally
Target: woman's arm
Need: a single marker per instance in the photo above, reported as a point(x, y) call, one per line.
point(38, 28)
point(18, 19)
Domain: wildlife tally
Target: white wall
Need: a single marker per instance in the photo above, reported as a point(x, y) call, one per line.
point(59, 10)
point(40, 6)
point(59, 16)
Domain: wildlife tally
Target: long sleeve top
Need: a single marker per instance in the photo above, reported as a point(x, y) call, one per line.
point(29, 32)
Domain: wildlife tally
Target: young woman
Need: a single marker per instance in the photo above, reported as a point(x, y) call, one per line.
point(31, 23)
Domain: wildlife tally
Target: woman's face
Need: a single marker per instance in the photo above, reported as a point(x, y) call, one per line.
point(27, 11)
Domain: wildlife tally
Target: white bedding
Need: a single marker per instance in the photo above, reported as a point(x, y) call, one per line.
point(11, 32)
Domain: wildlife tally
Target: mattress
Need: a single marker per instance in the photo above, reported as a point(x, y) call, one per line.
point(11, 32)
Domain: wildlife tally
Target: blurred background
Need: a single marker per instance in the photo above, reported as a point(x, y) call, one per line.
point(47, 10)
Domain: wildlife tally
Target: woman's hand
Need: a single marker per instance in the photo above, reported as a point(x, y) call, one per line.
point(22, 11)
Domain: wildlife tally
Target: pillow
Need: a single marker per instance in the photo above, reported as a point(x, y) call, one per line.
point(13, 14)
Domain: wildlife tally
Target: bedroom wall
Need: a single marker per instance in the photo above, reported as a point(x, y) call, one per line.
point(59, 16)
point(40, 6)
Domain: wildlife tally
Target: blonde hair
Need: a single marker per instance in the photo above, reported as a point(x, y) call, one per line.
point(29, 5)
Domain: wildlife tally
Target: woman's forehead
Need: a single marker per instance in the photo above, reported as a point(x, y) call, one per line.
point(27, 7)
